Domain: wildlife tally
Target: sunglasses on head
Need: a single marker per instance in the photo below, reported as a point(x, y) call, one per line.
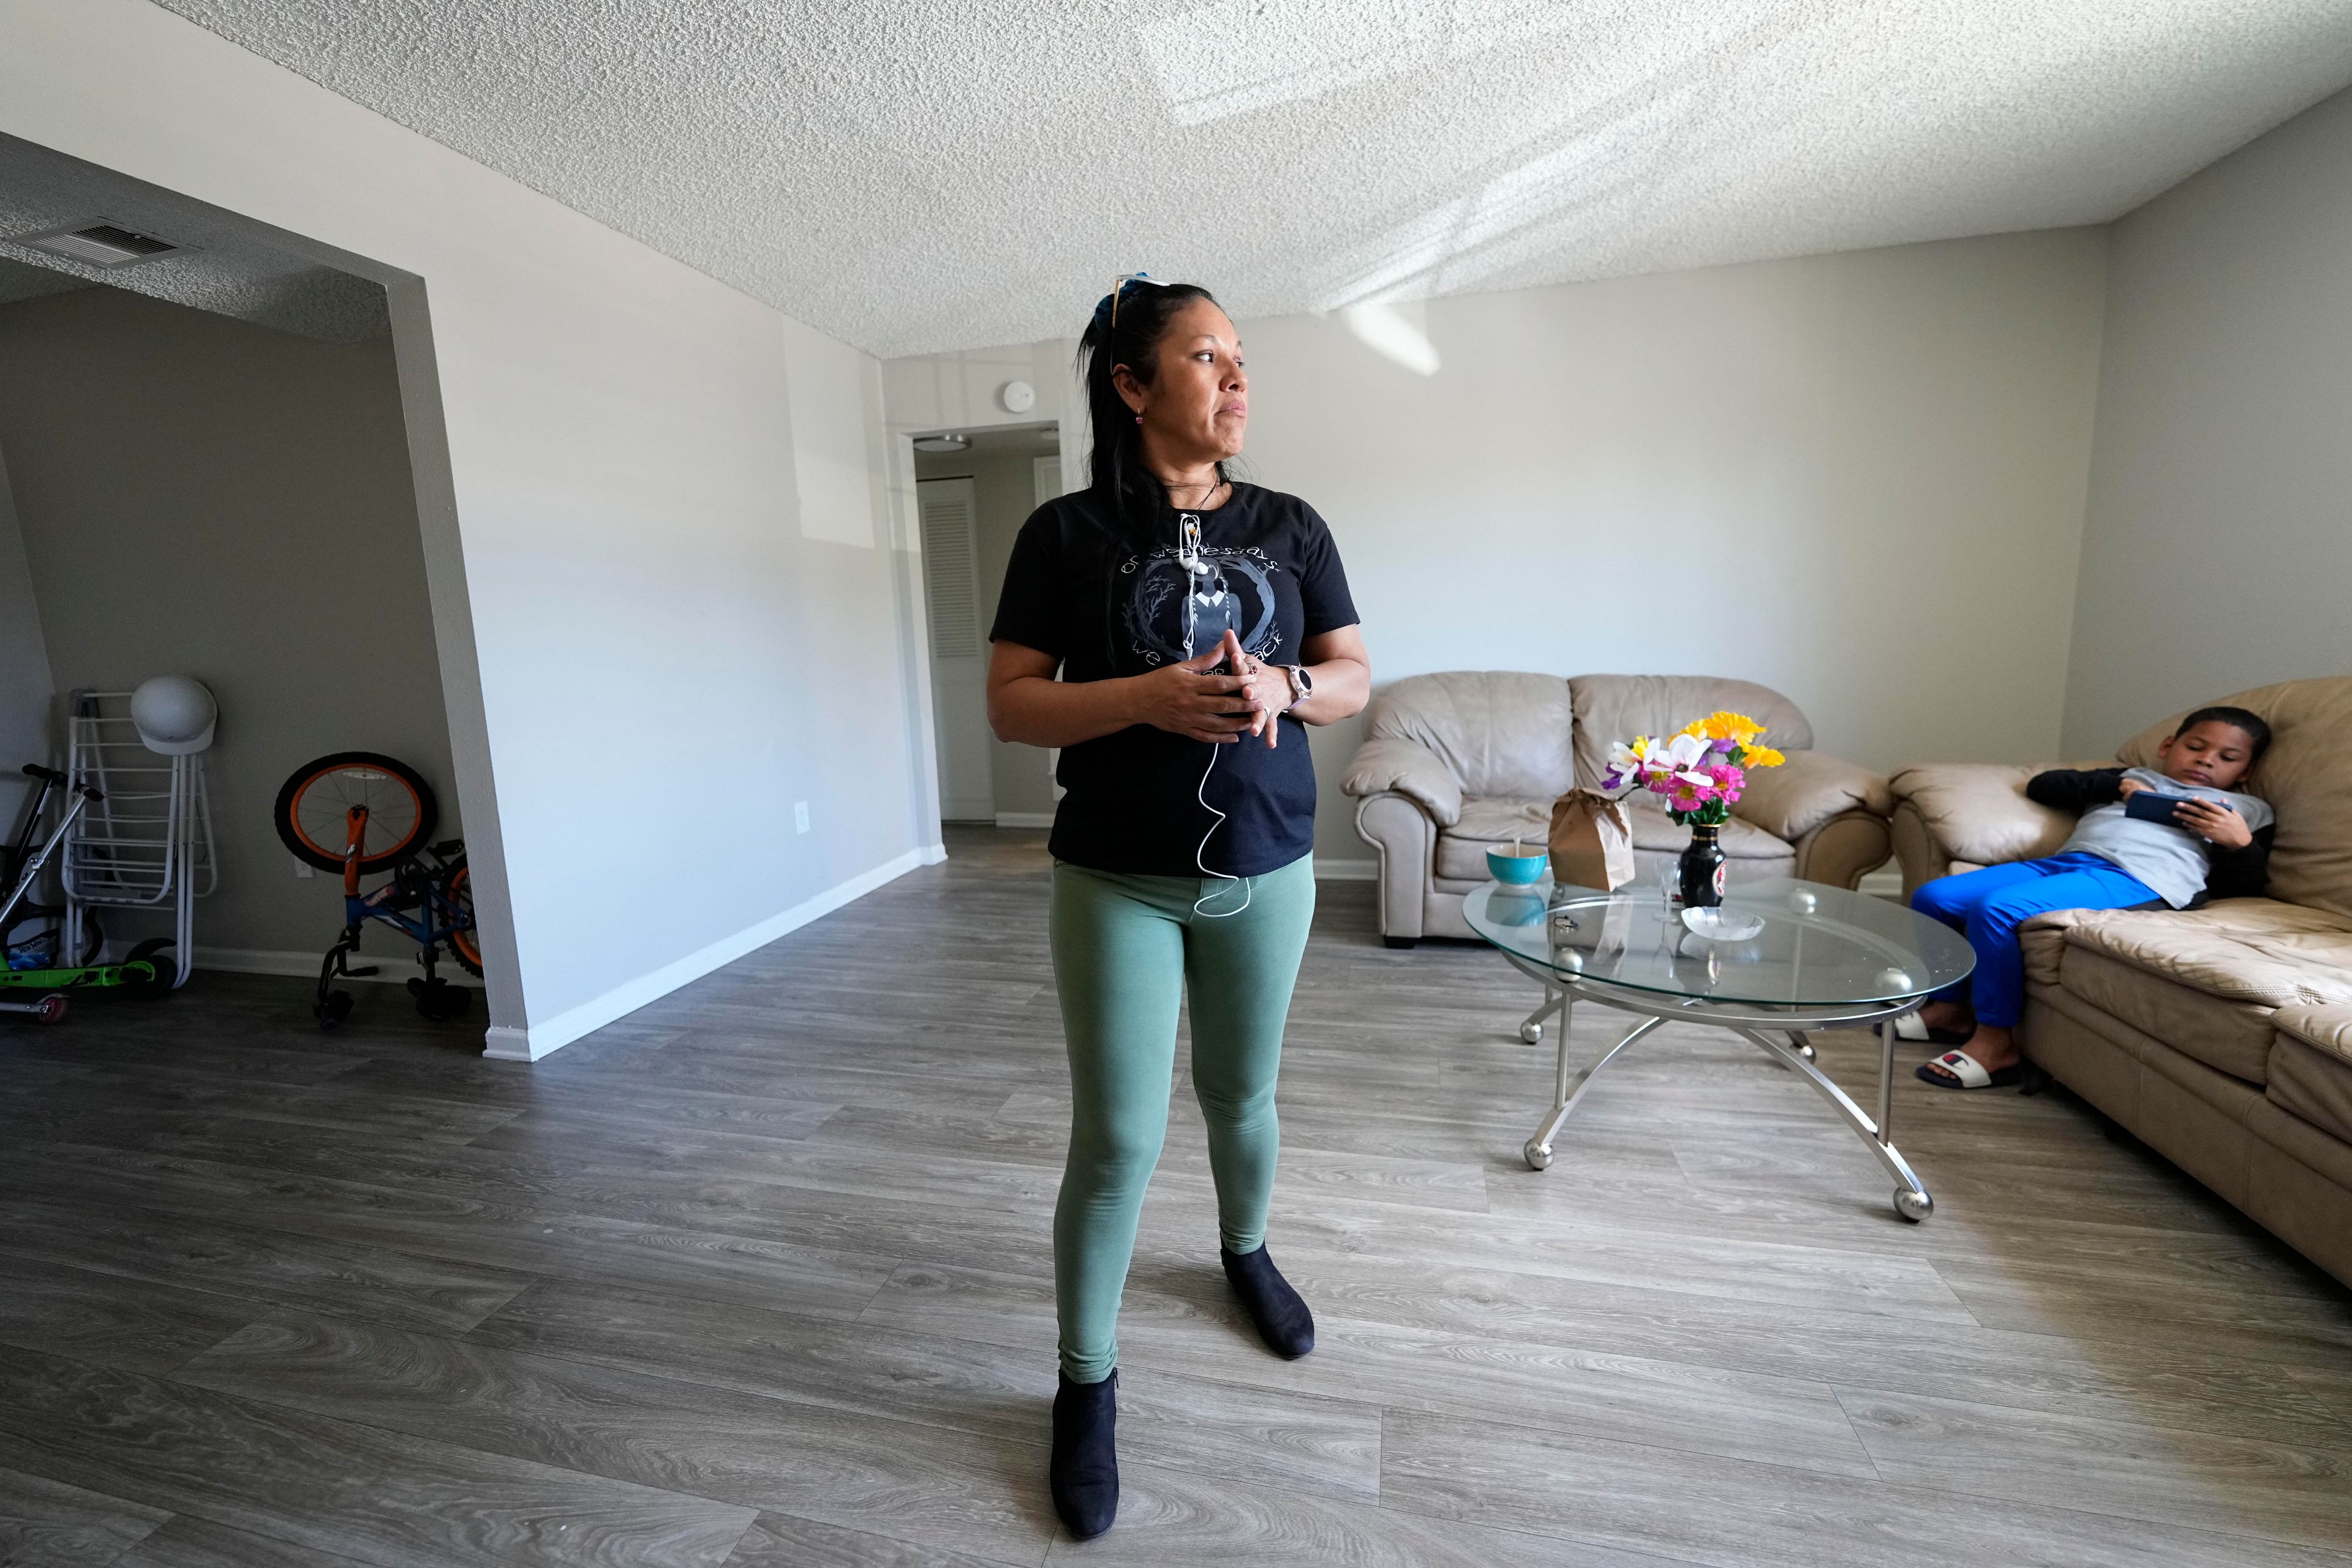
point(1119, 289)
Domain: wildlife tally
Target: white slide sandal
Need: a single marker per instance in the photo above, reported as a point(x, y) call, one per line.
point(1962, 1070)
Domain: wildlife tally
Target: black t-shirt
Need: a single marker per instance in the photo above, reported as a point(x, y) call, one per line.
point(1109, 601)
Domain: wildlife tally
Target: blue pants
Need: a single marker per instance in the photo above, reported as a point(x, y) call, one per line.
point(1989, 905)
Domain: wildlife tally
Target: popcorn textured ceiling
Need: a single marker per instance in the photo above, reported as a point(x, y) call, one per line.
point(225, 268)
point(912, 177)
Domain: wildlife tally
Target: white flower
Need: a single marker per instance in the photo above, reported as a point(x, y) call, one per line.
point(1684, 751)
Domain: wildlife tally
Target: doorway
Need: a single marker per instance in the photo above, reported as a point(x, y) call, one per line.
point(208, 469)
point(973, 491)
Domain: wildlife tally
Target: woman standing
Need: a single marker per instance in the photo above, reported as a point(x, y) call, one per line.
point(1196, 623)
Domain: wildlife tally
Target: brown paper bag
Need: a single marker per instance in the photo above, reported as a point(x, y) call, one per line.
point(1591, 842)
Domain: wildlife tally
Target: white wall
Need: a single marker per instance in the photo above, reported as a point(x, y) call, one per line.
point(1858, 478)
point(631, 599)
point(202, 496)
point(2218, 554)
point(25, 684)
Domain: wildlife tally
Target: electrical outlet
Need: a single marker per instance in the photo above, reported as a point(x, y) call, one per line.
point(800, 816)
point(302, 869)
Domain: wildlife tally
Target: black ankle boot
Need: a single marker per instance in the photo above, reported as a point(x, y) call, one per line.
point(1084, 1471)
point(1282, 1318)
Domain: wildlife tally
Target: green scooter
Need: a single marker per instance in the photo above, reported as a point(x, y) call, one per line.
point(139, 974)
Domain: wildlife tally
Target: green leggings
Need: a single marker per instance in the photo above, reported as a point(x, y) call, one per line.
point(1126, 948)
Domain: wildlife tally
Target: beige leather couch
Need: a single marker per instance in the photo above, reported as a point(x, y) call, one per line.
point(1454, 764)
point(2220, 1037)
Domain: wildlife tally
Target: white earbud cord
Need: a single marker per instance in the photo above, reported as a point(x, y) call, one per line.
point(1189, 557)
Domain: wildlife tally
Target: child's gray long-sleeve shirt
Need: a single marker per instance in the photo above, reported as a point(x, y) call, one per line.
point(2174, 862)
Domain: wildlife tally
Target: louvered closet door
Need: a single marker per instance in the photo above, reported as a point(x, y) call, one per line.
point(958, 649)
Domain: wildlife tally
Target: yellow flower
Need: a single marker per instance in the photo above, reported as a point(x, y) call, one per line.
point(1725, 725)
point(1760, 757)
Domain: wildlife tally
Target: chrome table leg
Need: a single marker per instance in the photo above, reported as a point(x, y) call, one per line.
point(1531, 1029)
point(1885, 1079)
point(1564, 1097)
point(1911, 1199)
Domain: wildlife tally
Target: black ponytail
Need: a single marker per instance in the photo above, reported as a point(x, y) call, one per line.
point(1126, 331)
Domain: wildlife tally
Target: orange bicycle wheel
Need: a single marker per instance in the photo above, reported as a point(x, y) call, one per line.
point(314, 810)
point(465, 945)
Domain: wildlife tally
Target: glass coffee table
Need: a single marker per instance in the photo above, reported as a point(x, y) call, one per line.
point(1817, 957)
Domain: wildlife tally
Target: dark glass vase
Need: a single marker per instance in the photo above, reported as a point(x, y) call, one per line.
point(1702, 870)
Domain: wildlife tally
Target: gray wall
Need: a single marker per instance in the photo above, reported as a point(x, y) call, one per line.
point(653, 509)
point(1859, 478)
point(202, 496)
point(2218, 551)
point(25, 683)
point(1004, 486)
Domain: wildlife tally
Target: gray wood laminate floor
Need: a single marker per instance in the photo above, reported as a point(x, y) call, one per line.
point(761, 1275)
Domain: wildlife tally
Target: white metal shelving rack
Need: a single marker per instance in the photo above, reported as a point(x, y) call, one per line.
point(149, 844)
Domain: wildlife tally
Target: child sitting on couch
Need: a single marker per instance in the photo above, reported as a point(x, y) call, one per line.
point(2217, 845)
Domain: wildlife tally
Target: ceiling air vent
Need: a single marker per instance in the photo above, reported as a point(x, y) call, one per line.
point(99, 244)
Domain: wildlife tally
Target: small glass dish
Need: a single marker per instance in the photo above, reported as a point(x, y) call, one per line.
point(1720, 924)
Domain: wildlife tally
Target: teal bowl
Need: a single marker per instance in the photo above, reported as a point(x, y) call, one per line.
point(1517, 870)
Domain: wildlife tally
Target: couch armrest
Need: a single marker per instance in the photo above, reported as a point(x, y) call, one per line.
point(1399, 827)
point(1791, 800)
point(1845, 849)
point(1387, 763)
point(1978, 811)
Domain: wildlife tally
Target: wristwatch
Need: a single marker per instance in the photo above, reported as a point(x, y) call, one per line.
point(1302, 683)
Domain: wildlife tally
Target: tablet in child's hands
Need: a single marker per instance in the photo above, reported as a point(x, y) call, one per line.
point(2149, 806)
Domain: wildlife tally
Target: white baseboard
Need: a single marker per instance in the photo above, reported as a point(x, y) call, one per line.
point(507, 1044)
point(931, 854)
point(392, 967)
point(1887, 882)
point(1024, 819)
point(1347, 870)
point(504, 1043)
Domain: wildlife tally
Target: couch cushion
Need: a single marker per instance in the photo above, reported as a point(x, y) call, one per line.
point(1487, 821)
point(2311, 1066)
point(1654, 830)
point(1500, 731)
point(2306, 776)
point(1613, 708)
point(2233, 1037)
point(2262, 951)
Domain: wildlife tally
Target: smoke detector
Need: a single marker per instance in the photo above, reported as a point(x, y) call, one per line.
point(942, 443)
point(98, 243)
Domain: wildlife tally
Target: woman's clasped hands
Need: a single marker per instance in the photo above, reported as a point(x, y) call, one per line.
point(1186, 700)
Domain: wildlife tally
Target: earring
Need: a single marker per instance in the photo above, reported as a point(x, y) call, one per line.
point(1139, 419)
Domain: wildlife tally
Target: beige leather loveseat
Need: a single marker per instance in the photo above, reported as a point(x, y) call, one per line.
point(2222, 1036)
point(1454, 764)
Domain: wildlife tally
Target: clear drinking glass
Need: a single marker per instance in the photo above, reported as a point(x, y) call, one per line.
point(1670, 884)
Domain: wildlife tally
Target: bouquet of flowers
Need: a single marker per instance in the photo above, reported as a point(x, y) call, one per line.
point(1700, 771)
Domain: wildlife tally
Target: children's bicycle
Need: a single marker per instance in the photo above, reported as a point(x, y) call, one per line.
point(361, 813)
point(36, 967)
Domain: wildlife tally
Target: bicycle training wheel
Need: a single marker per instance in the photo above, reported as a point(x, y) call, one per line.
point(314, 810)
